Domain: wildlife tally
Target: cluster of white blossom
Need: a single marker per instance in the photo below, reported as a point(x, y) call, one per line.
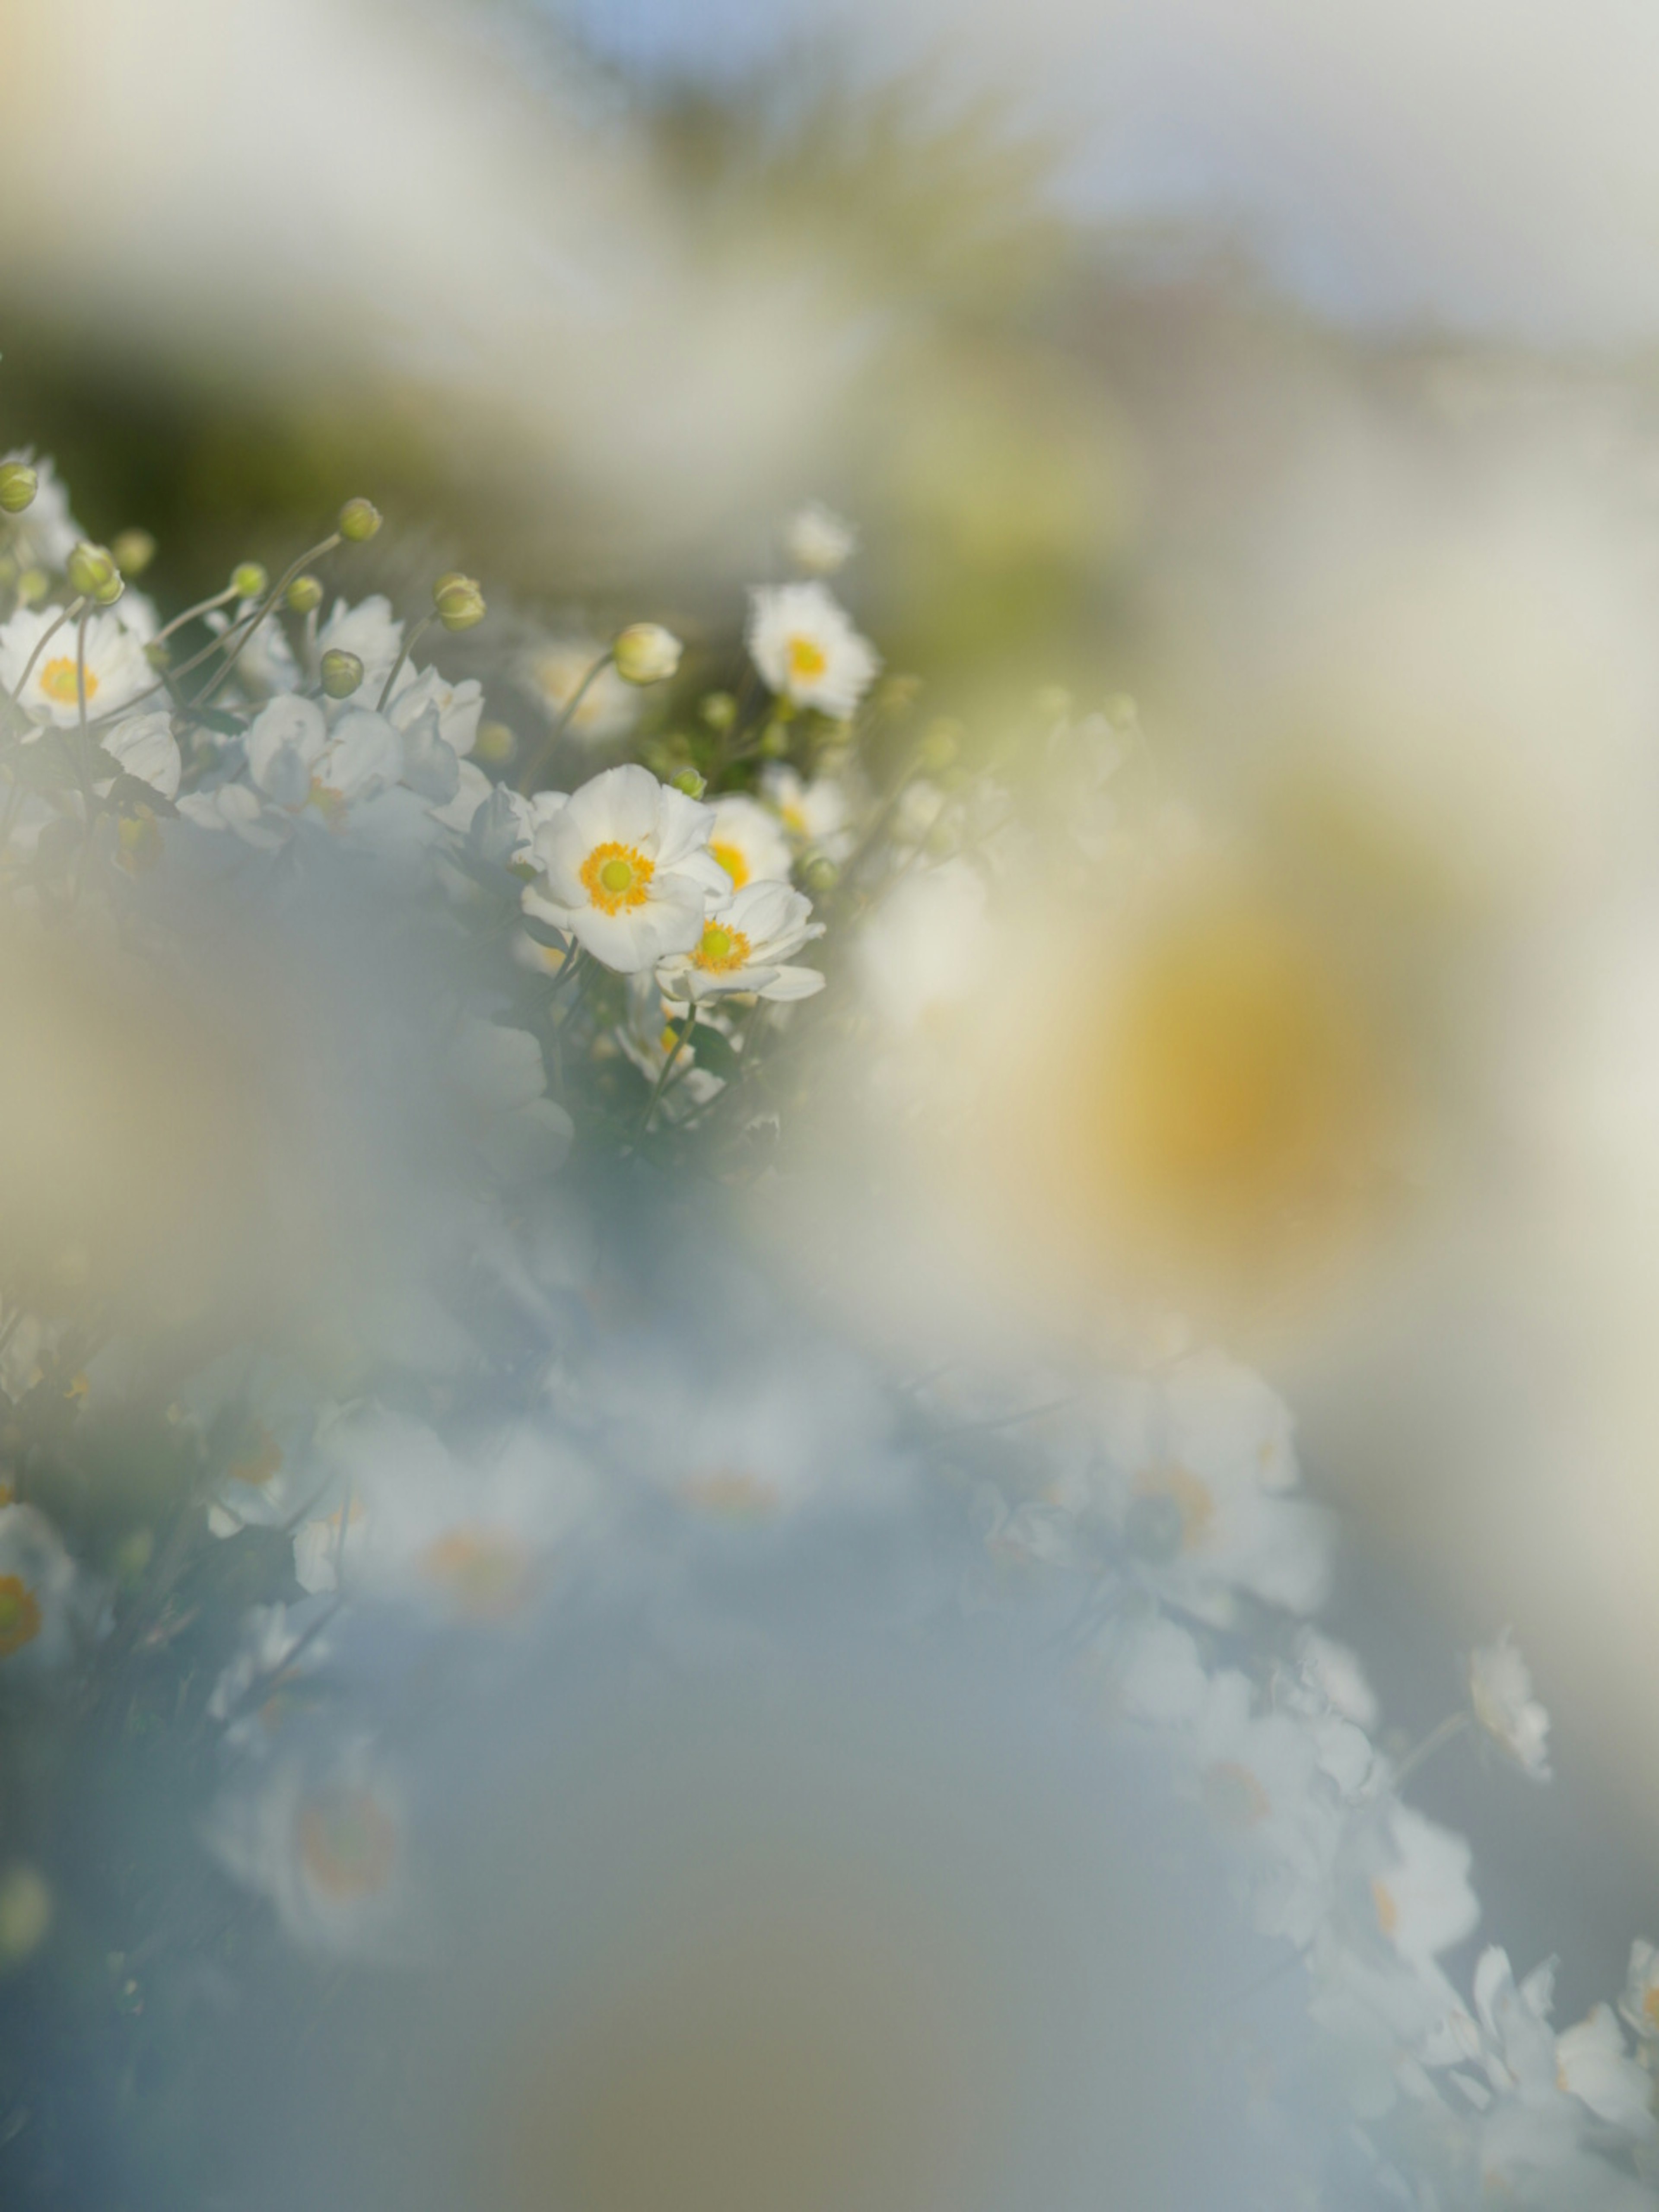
point(650, 928)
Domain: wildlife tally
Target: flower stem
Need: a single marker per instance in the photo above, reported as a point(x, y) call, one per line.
point(1449, 1729)
point(681, 1039)
point(545, 750)
point(424, 624)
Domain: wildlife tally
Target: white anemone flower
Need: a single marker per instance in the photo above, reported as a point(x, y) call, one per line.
point(1258, 1777)
point(804, 644)
point(144, 748)
point(114, 673)
point(553, 672)
point(296, 759)
point(625, 867)
point(818, 814)
point(327, 1843)
point(1420, 1890)
point(646, 1039)
point(747, 944)
point(748, 843)
point(1592, 2064)
point(47, 1606)
point(1640, 2001)
point(817, 540)
point(1500, 1691)
point(457, 706)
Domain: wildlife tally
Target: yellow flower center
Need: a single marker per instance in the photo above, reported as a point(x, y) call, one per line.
point(348, 1844)
point(734, 863)
point(616, 876)
point(20, 1615)
point(730, 1493)
point(1192, 1498)
point(485, 1575)
point(1233, 1797)
point(722, 951)
point(262, 1460)
point(807, 659)
point(60, 682)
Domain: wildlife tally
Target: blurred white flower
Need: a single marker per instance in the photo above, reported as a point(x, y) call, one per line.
point(327, 1843)
point(457, 706)
point(819, 540)
point(114, 674)
point(553, 672)
point(278, 1643)
point(747, 842)
point(747, 944)
point(926, 947)
point(1331, 1675)
point(1196, 1466)
point(1420, 1891)
point(327, 1546)
point(48, 1606)
point(805, 648)
point(815, 814)
point(1640, 2001)
point(1592, 2064)
point(145, 747)
point(1257, 1775)
point(625, 867)
point(1500, 1691)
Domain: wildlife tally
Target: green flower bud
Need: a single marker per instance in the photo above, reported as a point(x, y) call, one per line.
point(646, 653)
point(687, 781)
point(459, 599)
point(719, 710)
point(359, 520)
point(941, 741)
point(18, 485)
point(134, 550)
point(774, 741)
point(494, 743)
point(249, 582)
point(304, 594)
point(91, 571)
point(342, 673)
point(820, 874)
point(33, 585)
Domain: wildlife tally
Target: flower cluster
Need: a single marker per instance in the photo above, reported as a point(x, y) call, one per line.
point(272, 1507)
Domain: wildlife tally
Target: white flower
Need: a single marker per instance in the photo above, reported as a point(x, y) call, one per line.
point(819, 541)
point(625, 867)
point(327, 1547)
point(1500, 1691)
point(1258, 1777)
point(145, 747)
point(926, 947)
point(371, 631)
point(115, 670)
point(1331, 1675)
point(1592, 2064)
point(815, 814)
point(48, 1608)
point(746, 945)
point(646, 653)
point(264, 660)
point(805, 648)
point(296, 759)
point(747, 842)
point(457, 706)
point(327, 1843)
point(469, 1540)
point(552, 672)
point(1197, 1464)
point(1420, 1890)
point(1156, 1675)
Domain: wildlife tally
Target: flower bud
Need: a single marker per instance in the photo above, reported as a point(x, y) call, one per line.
point(304, 595)
point(494, 743)
point(774, 741)
point(646, 653)
point(249, 580)
point(91, 571)
point(459, 601)
point(33, 585)
point(820, 874)
point(342, 673)
point(359, 520)
point(687, 781)
point(941, 741)
point(134, 550)
point(18, 485)
point(718, 710)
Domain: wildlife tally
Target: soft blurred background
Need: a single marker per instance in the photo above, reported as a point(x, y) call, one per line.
point(1287, 370)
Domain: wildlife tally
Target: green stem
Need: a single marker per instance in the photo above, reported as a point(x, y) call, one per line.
point(424, 624)
point(1449, 1729)
point(545, 750)
point(681, 1039)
